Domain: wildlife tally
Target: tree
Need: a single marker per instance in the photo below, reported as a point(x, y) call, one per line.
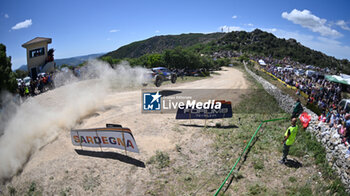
point(68, 66)
point(21, 73)
point(243, 57)
point(223, 62)
point(108, 59)
point(182, 58)
point(63, 66)
point(154, 60)
point(7, 77)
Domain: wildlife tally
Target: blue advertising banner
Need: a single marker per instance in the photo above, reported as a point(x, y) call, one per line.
point(225, 111)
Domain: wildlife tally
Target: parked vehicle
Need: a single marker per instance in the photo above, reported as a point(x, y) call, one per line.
point(310, 67)
point(287, 69)
point(310, 73)
point(190, 72)
point(27, 80)
point(299, 72)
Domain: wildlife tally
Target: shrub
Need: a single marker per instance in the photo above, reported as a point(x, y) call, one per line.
point(162, 159)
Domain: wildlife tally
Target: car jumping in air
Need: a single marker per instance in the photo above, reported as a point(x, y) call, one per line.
point(161, 74)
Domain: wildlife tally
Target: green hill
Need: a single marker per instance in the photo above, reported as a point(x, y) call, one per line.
point(259, 42)
point(256, 43)
point(158, 44)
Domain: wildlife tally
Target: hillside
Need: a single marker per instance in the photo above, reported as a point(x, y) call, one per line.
point(158, 44)
point(22, 68)
point(259, 42)
point(256, 43)
point(77, 60)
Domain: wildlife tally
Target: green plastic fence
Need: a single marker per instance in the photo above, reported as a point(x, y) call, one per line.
point(246, 147)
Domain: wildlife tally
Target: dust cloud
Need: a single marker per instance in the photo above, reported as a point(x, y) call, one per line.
point(39, 120)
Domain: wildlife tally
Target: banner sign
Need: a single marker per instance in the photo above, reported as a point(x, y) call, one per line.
point(225, 111)
point(111, 137)
point(305, 119)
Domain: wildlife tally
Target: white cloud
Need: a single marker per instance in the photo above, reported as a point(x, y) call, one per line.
point(330, 47)
point(270, 30)
point(326, 45)
point(328, 41)
point(302, 38)
point(114, 30)
point(250, 24)
point(234, 17)
point(25, 24)
point(157, 31)
point(307, 20)
point(343, 25)
point(230, 28)
point(6, 16)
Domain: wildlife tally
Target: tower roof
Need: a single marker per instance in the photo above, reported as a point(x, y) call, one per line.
point(37, 40)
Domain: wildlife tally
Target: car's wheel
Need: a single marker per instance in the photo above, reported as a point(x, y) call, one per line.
point(158, 81)
point(173, 78)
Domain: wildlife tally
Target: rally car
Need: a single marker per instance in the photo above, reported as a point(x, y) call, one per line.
point(160, 74)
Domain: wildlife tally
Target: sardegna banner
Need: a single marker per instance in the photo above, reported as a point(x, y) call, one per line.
point(110, 137)
point(224, 110)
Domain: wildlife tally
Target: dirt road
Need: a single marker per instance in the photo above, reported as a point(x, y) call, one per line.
point(57, 168)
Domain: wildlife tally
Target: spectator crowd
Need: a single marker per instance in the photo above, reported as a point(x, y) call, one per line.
point(35, 86)
point(324, 94)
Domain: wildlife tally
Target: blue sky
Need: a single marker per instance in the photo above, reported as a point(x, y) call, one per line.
point(80, 27)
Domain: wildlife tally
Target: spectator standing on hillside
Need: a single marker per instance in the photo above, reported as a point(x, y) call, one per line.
point(298, 109)
point(181, 73)
point(289, 138)
point(32, 87)
point(41, 85)
point(49, 81)
point(347, 130)
point(21, 90)
point(26, 91)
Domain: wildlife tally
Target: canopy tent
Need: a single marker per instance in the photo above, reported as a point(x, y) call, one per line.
point(338, 79)
point(262, 62)
point(345, 76)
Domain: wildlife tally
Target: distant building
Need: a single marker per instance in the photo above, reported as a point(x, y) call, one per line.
point(39, 58)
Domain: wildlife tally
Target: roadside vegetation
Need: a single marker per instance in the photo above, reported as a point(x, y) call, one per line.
point(29, 189)
point(7, 77)
point(178, 58)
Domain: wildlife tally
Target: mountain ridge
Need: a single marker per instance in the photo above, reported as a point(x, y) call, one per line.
point(257, 43)
point(158, 44)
